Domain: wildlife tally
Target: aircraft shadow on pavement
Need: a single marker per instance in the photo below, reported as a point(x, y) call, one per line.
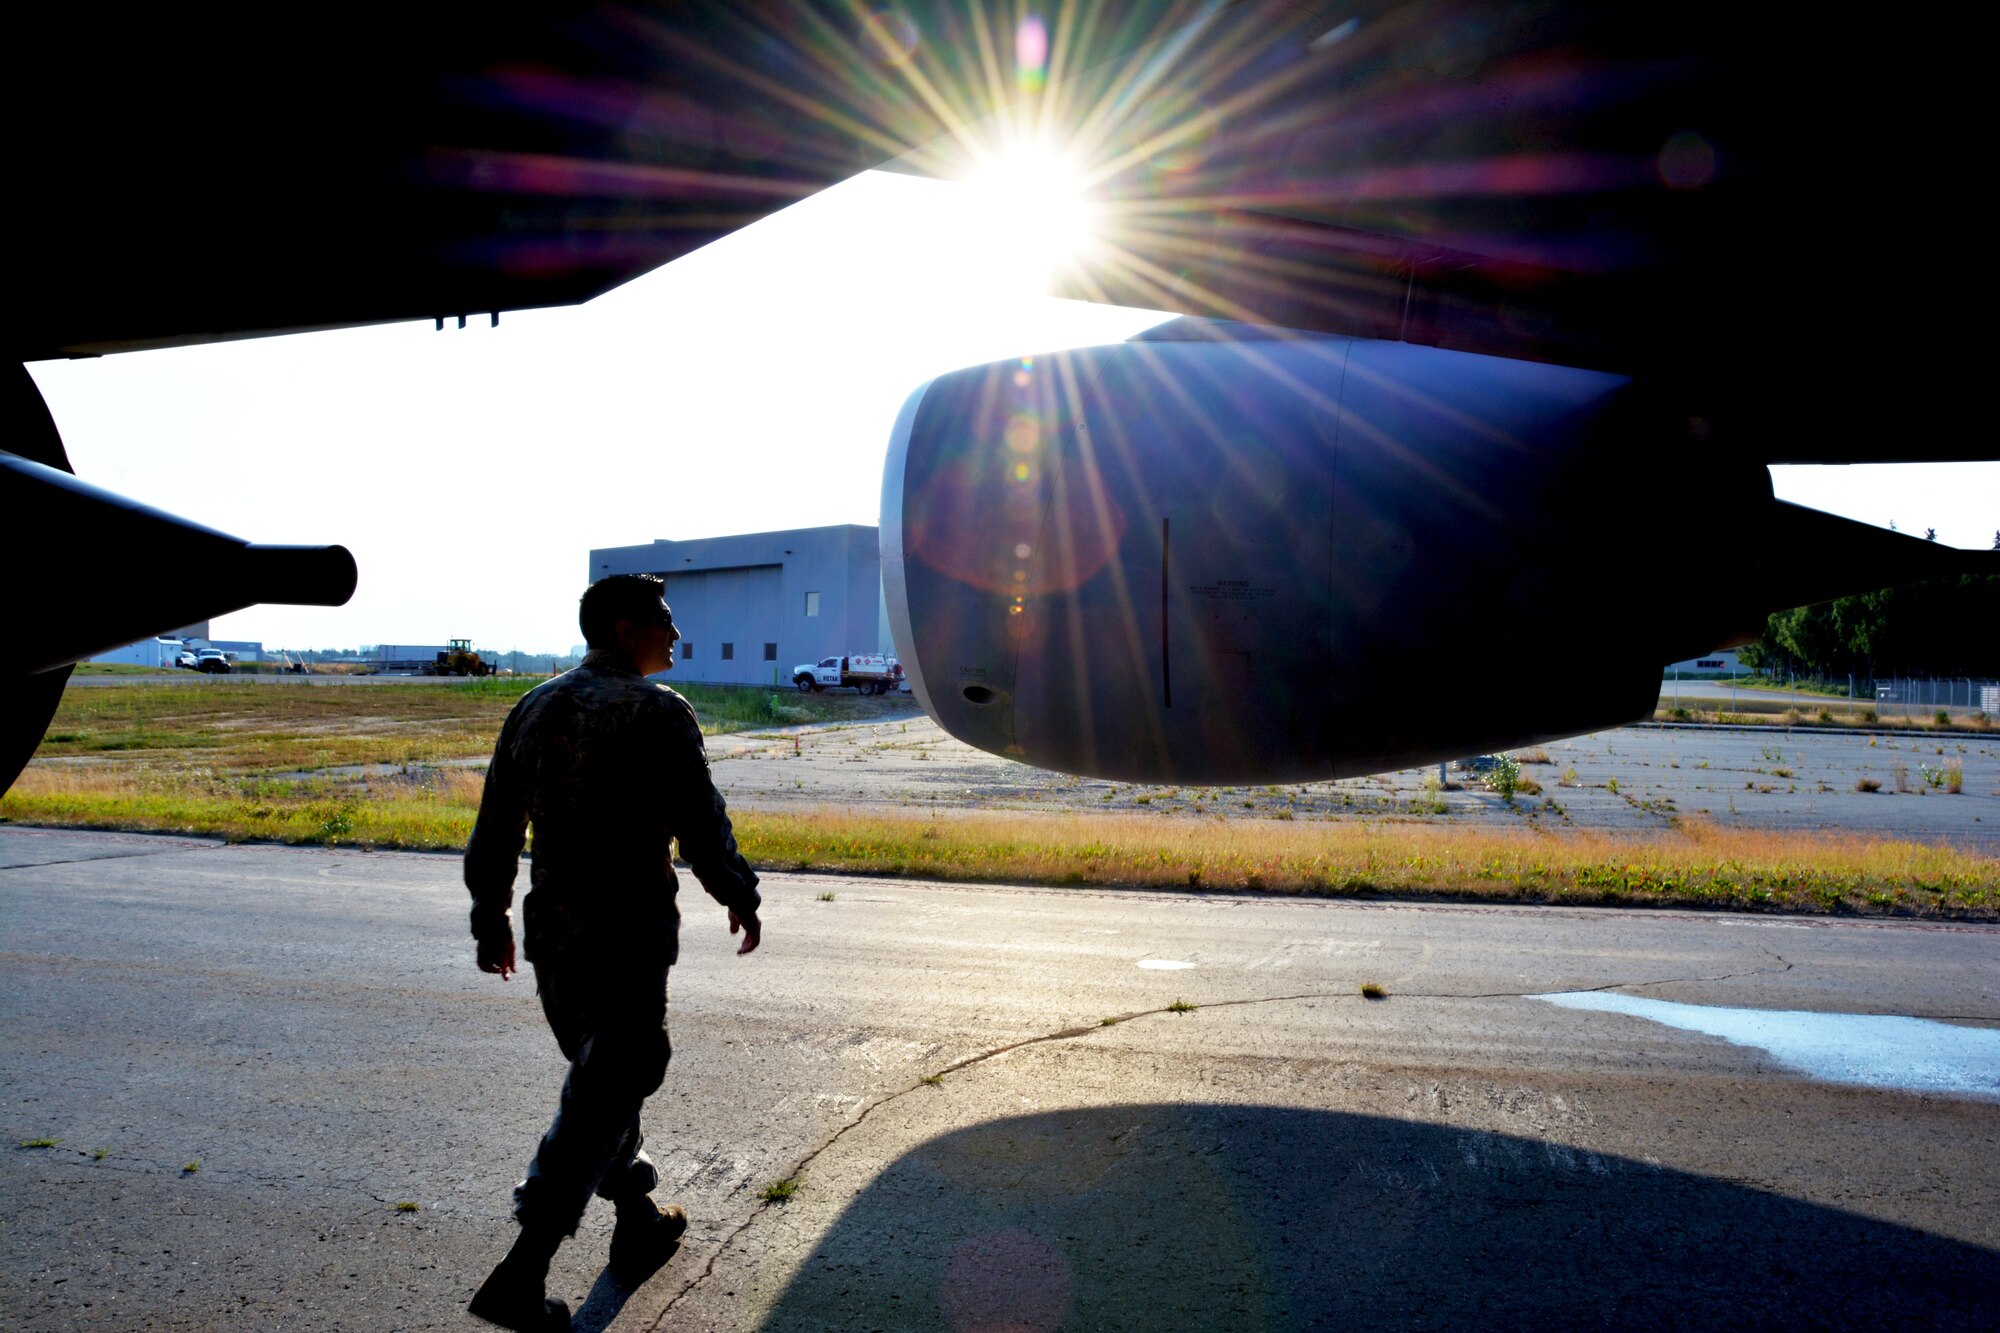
point(1251, 1218)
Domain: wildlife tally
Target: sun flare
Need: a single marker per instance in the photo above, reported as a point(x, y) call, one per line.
point(1030, 203)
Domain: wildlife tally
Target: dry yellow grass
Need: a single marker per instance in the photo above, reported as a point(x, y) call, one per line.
point(1750, 711)
point(1696, 865)
point(245, 727)
point(244, 761)
point(427, 809)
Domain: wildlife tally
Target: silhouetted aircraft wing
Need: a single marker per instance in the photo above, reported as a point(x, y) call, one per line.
point(1759, 210)
point(227, 170)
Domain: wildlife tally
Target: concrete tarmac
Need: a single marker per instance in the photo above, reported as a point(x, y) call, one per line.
point(276, 1094)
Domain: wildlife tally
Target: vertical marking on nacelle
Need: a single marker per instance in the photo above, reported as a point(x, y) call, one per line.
point(1166, 663)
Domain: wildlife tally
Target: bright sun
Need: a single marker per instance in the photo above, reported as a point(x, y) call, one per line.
point(1028, 203)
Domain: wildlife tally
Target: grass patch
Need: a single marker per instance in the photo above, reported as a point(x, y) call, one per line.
point(189, 1168)
point(406, 1205)
point(241, 726)
point(1182, 1007)
point(1373, 990)
point(826, 897)
point(39, 1143)
point(1694, 864)
point(242, 761)
point(119, 669)
point(368, 766)
point(1755, 712)
point(729, 708)
point(377, 765)
point(424, 810)
point(931, 1080)
point(780, 1190)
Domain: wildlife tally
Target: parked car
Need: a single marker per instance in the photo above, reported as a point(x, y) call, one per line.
point(185, 658)
point(212, 660)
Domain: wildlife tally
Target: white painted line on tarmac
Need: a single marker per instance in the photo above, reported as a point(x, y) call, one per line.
point(1870, 1050)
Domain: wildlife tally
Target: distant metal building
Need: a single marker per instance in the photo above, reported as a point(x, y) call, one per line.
point(159, 652)
point(751, 607)
point(163, 650)
point(1721, 662)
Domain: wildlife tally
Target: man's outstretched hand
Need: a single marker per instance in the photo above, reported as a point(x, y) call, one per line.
point(752, 928)
point(496, 954)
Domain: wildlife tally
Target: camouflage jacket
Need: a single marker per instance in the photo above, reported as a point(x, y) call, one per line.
point(610, 770)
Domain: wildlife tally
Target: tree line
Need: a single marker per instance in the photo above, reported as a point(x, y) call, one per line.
point(1942, 627)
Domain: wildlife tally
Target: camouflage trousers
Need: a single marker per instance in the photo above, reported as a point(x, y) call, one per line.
point(611, 1023)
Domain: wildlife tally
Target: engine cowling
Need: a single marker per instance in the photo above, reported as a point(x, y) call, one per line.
point(1270, 557)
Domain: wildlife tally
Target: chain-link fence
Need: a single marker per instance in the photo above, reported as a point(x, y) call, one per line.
point(1912, 696)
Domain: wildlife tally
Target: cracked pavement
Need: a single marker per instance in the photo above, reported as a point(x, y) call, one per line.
point(974, 1144)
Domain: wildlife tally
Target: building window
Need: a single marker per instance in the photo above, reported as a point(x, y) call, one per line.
point(687, 650)
point(729, 652)
point(770, 652)
point(812, 603)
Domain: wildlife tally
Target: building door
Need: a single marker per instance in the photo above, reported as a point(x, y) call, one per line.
point(727, 610)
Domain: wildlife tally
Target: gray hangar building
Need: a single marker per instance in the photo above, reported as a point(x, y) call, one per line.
point(753, 606)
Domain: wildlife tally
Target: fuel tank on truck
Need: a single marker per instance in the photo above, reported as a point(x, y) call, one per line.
point(1268, 557)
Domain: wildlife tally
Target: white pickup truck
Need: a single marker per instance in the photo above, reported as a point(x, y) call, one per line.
point(869, 673)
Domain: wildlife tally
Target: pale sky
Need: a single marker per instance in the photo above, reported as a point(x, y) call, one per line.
point(747, 387)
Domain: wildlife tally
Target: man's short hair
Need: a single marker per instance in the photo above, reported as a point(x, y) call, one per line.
point(633, 597)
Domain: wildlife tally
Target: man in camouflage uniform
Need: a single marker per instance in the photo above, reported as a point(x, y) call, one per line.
point(609, 769)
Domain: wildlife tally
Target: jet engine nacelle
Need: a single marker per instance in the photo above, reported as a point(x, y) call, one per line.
point(1285, 558)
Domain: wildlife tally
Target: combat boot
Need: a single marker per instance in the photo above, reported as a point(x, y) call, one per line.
point(646, 1235)
point(515, 1295)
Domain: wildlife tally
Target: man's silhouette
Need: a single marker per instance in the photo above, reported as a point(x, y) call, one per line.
point(609, 769)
